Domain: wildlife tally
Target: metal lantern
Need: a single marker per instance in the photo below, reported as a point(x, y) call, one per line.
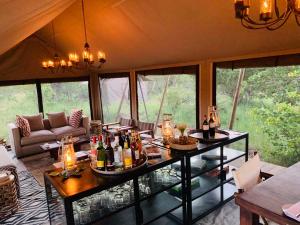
point(167, 128)
point(68, 153)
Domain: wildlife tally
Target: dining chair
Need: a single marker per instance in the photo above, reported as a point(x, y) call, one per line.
point(249, 175)
point(145, 128)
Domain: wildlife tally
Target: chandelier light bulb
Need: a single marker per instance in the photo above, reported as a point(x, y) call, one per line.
point(50, 64)
point(44, 64)
point(63, 63)
point(70, 64)
point(265, 10)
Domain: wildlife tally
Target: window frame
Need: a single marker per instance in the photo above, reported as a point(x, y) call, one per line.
point(39, 82)
point(112, 76)
point(169, 71)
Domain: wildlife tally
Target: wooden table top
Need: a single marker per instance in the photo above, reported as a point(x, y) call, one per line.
point(267, 198)
point(92, 182)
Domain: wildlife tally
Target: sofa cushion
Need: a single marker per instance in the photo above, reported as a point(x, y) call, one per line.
point(35, 122)
point(38, 136)
point(24, 126)
point(57, 119)
point(75, 118)
point(68, 130)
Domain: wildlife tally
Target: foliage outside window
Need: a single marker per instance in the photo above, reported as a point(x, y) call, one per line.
point(16, 100)
point(115, 96)
point(65, 96)
point(175, 94)
point(268, 108)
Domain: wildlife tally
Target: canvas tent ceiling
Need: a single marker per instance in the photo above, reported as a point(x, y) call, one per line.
point(138, 33)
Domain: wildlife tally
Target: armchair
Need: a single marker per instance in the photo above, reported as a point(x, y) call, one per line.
point(123, 124)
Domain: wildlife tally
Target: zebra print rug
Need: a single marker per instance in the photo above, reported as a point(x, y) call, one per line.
point(32, 205)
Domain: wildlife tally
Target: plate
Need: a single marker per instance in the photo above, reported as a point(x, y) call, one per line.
point(188, 147)
point(142, 163)
point(219, 136)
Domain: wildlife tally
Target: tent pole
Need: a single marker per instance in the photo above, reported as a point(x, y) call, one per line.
point(236, 97)
point(162, 102)
point(142, 93)
point(121, 102)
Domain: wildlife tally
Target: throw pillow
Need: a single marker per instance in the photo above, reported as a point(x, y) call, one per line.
point(57, 119)
point(75, 118)
point(24, 126)
point(35, 122)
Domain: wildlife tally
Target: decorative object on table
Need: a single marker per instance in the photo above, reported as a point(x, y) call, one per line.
point(267, 20)
point(152, 152)
point(167, 129)
point(182, 138)
point(212, 110)
point(8, 195)
point(188, 145)
point(68, 153)
point(118, 171)
point(292, 211)
point(220, 135)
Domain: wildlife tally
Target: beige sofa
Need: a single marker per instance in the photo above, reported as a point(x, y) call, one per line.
point(24, 146)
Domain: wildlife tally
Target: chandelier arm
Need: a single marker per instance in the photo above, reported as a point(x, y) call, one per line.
point(272, 28)
point(247, 25)
point(297, 20)
point(53, 34)
point(83, 16)
point(282, 17)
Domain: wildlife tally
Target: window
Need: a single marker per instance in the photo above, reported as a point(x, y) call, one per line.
point(16, 100)
point(268, 108)
point(115, 96)
point(172, 90)
point(65, 96)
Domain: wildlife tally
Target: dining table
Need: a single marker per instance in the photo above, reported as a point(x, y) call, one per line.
point(267, 198)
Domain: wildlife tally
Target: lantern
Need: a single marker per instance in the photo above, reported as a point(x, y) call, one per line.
point(167, 128)
point(68, 153)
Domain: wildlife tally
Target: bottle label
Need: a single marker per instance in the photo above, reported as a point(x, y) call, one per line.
point(212, 125)
point(137, 154)
point(117, 157)
point(100, 164)
point(205, 127)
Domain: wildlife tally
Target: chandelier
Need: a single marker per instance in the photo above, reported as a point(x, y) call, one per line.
point(267, 10)
point(87, 56)
point(56, 64)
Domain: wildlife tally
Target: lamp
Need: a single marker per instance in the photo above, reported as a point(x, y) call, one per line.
point(56, 64)
point(87, 56)
point(167, 128)
point(267, 9)
point(68, 153)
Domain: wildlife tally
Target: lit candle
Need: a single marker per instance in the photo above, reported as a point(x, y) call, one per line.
point(71, 57)
point(50, 63)
point(101, 55)
point(85, 55)
point(76, 58)
point(297, 5)
point(91, 58)
point(44, 64)
point(70, 63)
point(265, 9)
point(63, 63)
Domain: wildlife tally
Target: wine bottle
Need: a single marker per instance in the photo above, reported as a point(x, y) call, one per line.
point(121, 140)
point(118, 156)
point(100, 155)
point(109, 155)
point(139, 145)
point(212, 126)
point(127, 156)
point(205, 128)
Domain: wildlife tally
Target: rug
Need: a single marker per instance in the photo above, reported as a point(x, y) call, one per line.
point(32, 205)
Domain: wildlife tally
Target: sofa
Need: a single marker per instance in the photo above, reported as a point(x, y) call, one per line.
point(25, 146)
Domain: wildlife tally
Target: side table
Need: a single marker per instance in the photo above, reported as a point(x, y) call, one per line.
point(8, 196)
